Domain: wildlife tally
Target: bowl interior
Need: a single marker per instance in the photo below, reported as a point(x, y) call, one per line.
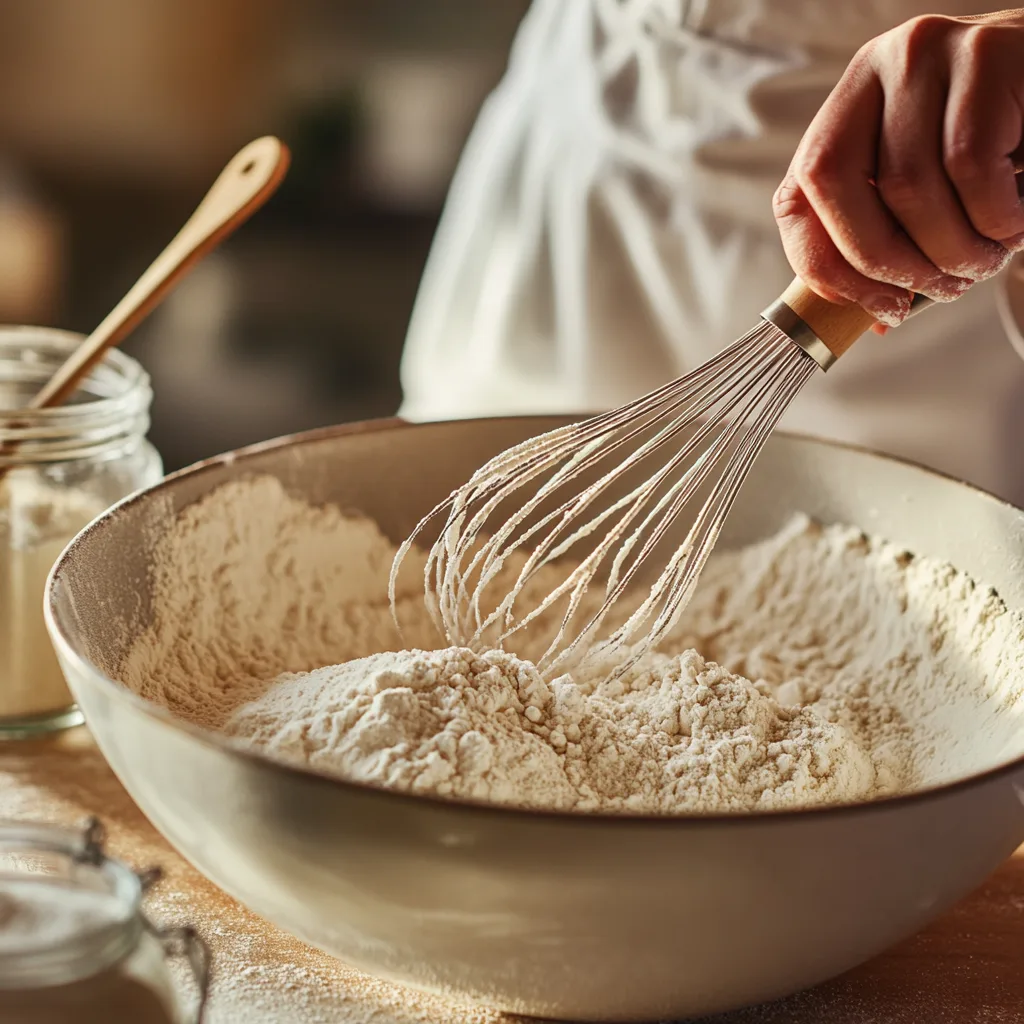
point(101, 592)
point(535, 913)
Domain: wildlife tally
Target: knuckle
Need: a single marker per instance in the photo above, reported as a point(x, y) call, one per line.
point(919, 36)
point(981, 44)
point(867, 53)
point(818, 169)
point(911, 51)
point(788, 201)
point(960, 155)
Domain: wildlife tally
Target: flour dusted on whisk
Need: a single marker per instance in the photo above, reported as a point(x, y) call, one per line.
point(832, 667)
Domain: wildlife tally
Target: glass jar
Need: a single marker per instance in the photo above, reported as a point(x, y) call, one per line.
point(59, 469)
point(74, 943)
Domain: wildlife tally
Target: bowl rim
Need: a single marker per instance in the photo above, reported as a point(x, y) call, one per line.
point(461, 805)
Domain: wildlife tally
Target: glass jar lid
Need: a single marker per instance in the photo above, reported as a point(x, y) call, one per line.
point(68, 912)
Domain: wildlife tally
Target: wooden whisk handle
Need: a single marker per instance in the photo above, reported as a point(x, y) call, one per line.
point(837, 326)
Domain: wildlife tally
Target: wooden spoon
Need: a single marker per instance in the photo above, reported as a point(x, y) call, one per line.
point(244, 185)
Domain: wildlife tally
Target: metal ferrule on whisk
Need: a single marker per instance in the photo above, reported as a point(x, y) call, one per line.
point(799, 331)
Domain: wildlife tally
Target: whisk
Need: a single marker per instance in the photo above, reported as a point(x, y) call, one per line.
point(612, 487)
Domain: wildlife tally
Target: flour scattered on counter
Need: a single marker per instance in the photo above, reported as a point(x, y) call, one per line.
point(819, 666)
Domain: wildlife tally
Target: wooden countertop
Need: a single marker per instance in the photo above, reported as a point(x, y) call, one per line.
point(964, 969)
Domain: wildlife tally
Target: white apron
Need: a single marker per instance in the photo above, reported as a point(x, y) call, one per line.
point(610, 227)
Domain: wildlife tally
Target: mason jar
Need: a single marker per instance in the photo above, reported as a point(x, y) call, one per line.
point(74, 942)
point(59, 469)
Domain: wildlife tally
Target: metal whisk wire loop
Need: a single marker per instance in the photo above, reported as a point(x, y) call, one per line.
point(609, 495)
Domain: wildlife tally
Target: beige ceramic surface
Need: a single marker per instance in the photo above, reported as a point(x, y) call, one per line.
point(545, 913)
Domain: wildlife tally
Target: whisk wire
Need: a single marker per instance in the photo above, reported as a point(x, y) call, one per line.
point(699, 384)
point(678, 581)
point(666, 590)
point(712, 423)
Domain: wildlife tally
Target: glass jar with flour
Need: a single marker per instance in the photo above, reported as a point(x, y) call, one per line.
point(74, 942)
point(59, 469)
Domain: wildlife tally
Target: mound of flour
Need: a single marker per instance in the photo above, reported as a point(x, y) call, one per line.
point(819, 666)
point(487, 727)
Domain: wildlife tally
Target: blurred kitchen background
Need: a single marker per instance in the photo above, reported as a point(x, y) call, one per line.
point(115, 117)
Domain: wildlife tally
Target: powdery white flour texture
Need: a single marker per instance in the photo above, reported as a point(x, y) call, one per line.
point(37, 520)
point(819, 666)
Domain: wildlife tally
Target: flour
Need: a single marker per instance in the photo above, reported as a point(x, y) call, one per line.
point(832, 667)
point(37, 521)
point(686, 736)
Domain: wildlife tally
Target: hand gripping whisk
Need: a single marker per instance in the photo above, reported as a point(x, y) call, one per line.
point(608, 490)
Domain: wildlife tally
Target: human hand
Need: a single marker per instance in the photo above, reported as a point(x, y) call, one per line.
point(904, 181)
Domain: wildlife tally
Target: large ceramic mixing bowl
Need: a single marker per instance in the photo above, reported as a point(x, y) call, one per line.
point(551, 914)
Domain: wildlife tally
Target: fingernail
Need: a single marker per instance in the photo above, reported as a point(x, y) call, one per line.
point(888, 309)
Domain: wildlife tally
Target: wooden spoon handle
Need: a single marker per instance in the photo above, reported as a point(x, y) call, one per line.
point(243, 187)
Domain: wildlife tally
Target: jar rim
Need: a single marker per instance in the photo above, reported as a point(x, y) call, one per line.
point(93, 949)
point(116, 367)
point(108, 413)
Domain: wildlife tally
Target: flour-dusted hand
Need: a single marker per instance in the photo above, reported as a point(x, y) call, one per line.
point(905, 178)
